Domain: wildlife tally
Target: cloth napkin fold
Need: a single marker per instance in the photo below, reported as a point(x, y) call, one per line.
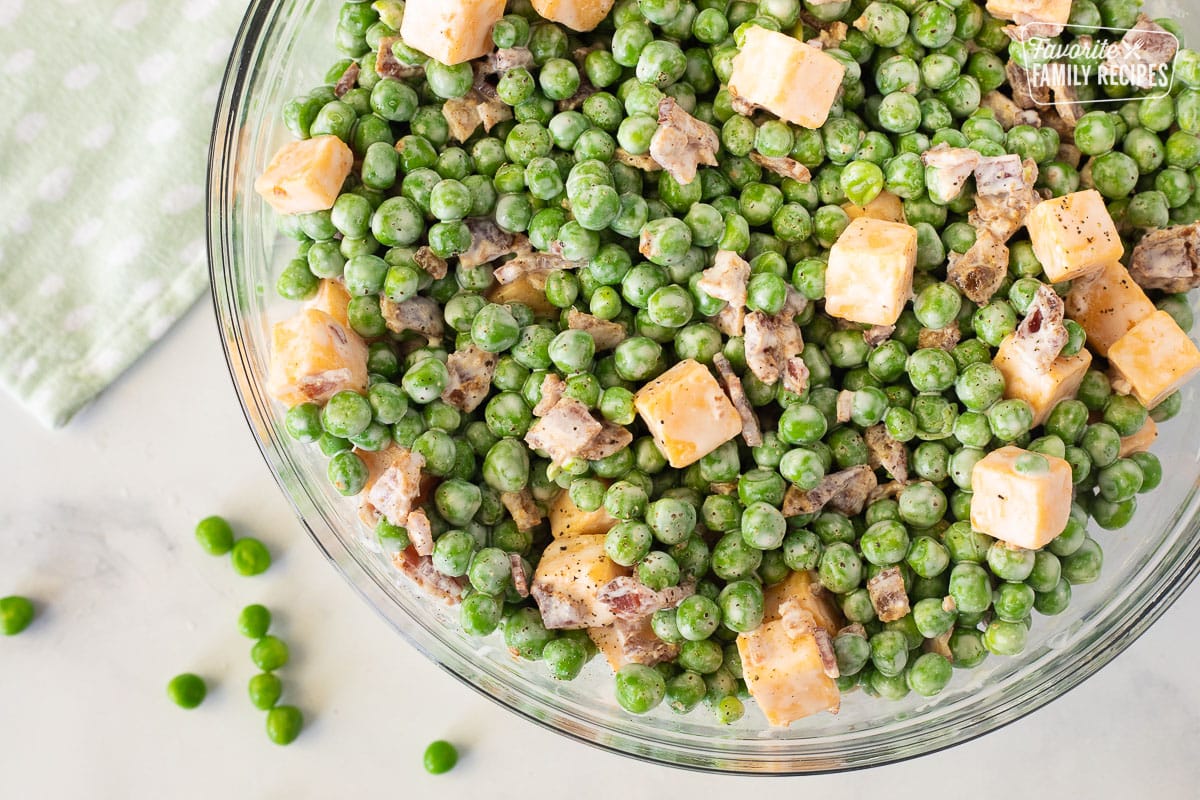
point(103, 150)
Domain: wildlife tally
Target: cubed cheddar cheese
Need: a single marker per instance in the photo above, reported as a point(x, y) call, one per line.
point(1139, 442)
point(687, 413)
point(306, 175)
point(1073, 235)
point(578, 15)
point(885, 206)
point(1020, 497)
point(870, 272)
point(567, 519)
point(1155, 358)
point(524, 291)
point(451, 31)
point(313, 357)
point(567, 579)
point(1031, 10)
point(793, 80)
point(1107, 305)
point(784, 674)
point(332, 298)
point(1042, 390)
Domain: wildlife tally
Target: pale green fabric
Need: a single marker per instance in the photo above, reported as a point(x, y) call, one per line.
point(103, 147)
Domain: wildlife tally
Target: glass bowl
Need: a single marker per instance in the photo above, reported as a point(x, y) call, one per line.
point(282, 49)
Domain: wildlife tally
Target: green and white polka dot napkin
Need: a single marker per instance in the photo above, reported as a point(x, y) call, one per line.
point(103, 146)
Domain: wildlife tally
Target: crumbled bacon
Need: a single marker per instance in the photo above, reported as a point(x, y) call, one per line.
point(431, 262)
point(388, 66)
point(1024, 93)
point(770, 342)
point(393, 482)
point(612, 439)
point(1142, 53)
point(1041, 336)
point(940, 644)
point(471, 370)
point(886, 452)
point(520, 576)
point(845, 492)
point(576, 101)
point(941, 338)
point(887, 594)
point(568, 430)
point(630, 599)
point(507, 58)
point(522, 508)
point(632, 641)
point(782, 166)
point(643, 162)
point(489, 242)
point(605, 333)
point(795, 375)
point(1004, 194)
point(420, 570)
point(420, 314)
point(420, 532)
point(878, 334)
point(1008, 113)
point(347, 81)
point(827, 654)
point(1168, 259)
point(552, 391)
point(726, 280)
point(682, 143)
point(844, 408)
point(885, 490)
point(533, 264)
point(951, 166)
point(831, 37)
point(979, 272)
point(737, 395)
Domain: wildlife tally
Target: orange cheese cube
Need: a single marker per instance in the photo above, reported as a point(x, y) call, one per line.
point(1042, 391)
point(793, 80)
point(885, 206)
point(567, 580)
point(870, 271)
point(1073, 235)
point(785, 675)
point(451, 31)
point(1020, 497)
point(313, 357)
point(1107, 305)
point(566, 518)
point(578, 15)
point(523, 290)
point(1030, 10)
point(306, 175)
point(687, 413)
point(1139, 442)
point(1155, 358)
point(333, 299)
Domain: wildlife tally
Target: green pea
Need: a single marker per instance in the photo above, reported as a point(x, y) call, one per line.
point(250, 556)
point(639, 688)
point(186, 690)
point(215, 535)
point(254, 620)
point(265, 690)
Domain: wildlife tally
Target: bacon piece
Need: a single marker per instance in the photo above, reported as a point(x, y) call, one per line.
point(1004, 194)
point(885, 490)
point(489, 242)
point(1008, 113)
point(420, 532)
point(420, 314)
point(723, 487)
point(940, 338)
point(1041, 336)
point(1069, 154)
point(1168, 259)
point(393, 483)
point(979, 272)
point(853, 629)
point(564, 430)
point(628, 641)
point(643, 162)
point(947, 170)
point(520, 575)
point(770, 342)
point(682, 143)
point(1024, 93)
point(534, 264)
point(465, 114)
point(431, 262)
point(887, 594)
point(630, 599)
point(845, 405)
point(940, 645)
point(831, 37)
point(878, 334)
point(726, 280)
point(347, 81)
point(507, 58)
point(611, 439)
point(794, 304)
point(604, 333)
point(1029, 27)
point(737, 395)
point(552, 391)
point(731, 320)
point(782, 166)
point(576, 101)
point(844, 491)
point(827, 654)
point(740, 104)
point(420, 570)
point(1143, 52)
point(795, 375)
point(522, 508)
point(388, 66)
point(471, 370)
point(886, 452)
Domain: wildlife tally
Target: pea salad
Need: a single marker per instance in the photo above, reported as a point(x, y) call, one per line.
point(767, 350)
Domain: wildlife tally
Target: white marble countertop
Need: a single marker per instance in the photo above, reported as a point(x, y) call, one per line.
point(96, 525)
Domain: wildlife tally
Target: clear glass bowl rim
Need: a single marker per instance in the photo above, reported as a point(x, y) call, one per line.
point(1132, 612)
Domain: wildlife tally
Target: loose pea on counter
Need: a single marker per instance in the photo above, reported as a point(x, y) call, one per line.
point(768, 351)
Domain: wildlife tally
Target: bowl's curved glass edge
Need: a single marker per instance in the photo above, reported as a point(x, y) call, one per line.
point(1176, 569)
